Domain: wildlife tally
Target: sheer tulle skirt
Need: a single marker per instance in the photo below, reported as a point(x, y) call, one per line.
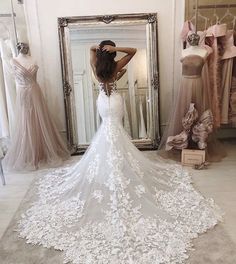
point(36, 140)
point(190, 91)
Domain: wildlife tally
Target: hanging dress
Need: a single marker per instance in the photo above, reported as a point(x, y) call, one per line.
point(227, 72)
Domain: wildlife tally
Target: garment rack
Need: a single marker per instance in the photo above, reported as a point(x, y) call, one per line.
point(215, 6)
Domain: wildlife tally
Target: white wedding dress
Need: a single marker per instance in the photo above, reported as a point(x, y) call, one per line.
point(115, 205)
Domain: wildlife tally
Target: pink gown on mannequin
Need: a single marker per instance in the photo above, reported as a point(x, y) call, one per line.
point(36, 140)
point(190, 91)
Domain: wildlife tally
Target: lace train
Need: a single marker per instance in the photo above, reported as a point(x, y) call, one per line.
point(117, 206)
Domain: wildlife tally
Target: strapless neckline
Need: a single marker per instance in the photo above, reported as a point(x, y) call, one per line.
point(27, 69)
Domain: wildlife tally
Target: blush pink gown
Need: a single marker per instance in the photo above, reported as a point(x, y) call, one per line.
point(36, 140)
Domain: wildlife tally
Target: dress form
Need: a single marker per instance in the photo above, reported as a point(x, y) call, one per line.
point(25, 60)
point(194, 50)
point(35, 140)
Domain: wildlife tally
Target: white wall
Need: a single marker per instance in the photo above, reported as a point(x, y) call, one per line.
point(42, 20)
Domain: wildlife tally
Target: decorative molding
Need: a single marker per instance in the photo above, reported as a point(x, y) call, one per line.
point(62, 22)
point(155, 82)
point(67, 88)
point(151, 18)
point(108, 19)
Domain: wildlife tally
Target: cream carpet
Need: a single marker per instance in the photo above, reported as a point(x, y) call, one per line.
point(213, 247)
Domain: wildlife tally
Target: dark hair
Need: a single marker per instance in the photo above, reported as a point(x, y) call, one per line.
point(105, 64)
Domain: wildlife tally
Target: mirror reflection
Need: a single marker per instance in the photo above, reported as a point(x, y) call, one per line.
point(138, 86)
point(133, 85)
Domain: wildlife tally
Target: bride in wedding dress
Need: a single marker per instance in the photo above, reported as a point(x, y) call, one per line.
point(115, 205)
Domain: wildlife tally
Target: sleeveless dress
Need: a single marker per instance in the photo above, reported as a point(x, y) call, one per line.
point(190, 91)
point(35, 140)
point(115, 205)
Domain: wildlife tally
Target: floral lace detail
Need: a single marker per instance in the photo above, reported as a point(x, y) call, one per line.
point(97, 194)
point(139, 189)
point(116, 206)
point(93, 169)
point(135, 165)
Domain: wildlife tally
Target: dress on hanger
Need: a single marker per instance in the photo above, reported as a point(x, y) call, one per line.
point(232, 103)
point(232, 111)
point(205, 72)
point(214, 38)
point(35, 140)
point(227, 71)
point(115, 205)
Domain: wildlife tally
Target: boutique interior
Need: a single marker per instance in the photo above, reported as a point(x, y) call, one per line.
point(178, 97)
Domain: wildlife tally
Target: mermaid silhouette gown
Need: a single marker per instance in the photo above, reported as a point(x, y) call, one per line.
point(115, 205)
point(36, 140)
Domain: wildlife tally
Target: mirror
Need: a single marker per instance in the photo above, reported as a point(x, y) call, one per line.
point(139, 86)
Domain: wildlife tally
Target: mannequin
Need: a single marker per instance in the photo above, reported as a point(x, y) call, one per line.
point(36, 140)
point(194, 49)
point(23, 57)
point(190, 92)
point(191, 88)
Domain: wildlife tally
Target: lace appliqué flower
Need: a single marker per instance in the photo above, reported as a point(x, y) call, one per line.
point(139, 190)
point(135, 165)
point(97, 194)
point(92, 170)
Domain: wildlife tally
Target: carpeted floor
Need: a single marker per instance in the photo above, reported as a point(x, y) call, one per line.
point(213, 247)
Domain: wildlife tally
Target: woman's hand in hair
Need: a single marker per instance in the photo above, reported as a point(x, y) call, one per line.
point(109, 48)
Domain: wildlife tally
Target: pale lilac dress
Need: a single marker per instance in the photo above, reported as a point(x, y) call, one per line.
point(36, 140)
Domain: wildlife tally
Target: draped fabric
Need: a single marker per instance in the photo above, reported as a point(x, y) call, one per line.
point(35, 140)
point(7, 91)
point(4, 126)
